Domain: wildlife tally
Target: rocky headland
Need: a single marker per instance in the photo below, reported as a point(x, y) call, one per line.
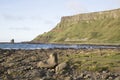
point(96, 27)
point(60, 64)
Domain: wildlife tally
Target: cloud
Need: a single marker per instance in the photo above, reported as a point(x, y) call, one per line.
point(118, 1)
point(35, 18)
point(20, 18)
point(48, 22)
point(12, 17)
point(76, 6)
point(20, 28)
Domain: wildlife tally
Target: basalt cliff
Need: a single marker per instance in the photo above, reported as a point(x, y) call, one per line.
point(95, 27)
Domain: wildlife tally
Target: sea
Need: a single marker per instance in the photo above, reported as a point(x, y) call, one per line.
point(54, 46)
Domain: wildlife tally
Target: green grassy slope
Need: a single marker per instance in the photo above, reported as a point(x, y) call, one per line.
point(98, 27)
point(94, 60)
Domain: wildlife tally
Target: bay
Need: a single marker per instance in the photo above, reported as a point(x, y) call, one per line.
point(53, 46)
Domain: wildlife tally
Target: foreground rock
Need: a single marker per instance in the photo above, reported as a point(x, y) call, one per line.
point(62, 64)
point(50, 63)
point(61, 67)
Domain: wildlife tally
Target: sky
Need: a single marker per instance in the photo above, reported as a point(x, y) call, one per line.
point(23, 20)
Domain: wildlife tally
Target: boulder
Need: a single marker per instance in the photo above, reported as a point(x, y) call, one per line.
point(50, 63)
point(68, 78)
point(117, 78)
point(61, 67)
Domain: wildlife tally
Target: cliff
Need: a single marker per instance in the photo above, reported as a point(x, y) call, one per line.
point(96, 27)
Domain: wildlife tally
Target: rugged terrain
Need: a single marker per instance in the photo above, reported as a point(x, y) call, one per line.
point(74, 64)
point(97, 27)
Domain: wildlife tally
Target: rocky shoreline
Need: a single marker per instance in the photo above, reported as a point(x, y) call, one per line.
point(72, 64)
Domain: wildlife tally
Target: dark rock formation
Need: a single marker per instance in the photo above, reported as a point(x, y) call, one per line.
point(12, 41)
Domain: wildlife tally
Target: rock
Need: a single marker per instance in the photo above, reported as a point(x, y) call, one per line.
point(87, 76)
point(104, 72)
point(32, 74)
point(10, 64)
point(17, 68)
point(42, 73)
point(37, 78)
point(82, 75)
point(50, 63)
point(7, 77)
point(61, 66)
point(117, 78)
point(9, 71)
point(2, 69)
point(110, 78)
point(50, 73)
point(53, 59)
point(79, 78)
point(68, 78)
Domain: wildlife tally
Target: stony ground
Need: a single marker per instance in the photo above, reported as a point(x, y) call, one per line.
point(82, 64)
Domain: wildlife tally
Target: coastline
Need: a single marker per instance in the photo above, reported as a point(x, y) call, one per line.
point(64, 43)
point(67, 44)
point(22, 64)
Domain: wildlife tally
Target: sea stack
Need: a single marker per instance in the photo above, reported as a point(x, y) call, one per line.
point(12, 41)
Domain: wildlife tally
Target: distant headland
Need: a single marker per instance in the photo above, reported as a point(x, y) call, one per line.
point(89, 28)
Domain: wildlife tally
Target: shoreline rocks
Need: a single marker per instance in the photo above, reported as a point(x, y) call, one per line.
point(26, 65)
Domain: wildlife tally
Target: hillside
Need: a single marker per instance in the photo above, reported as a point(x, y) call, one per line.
point(96, 27)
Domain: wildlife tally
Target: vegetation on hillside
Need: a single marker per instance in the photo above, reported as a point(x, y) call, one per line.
point(98, 27)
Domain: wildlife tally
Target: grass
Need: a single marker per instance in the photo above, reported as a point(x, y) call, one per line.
point(94, 60)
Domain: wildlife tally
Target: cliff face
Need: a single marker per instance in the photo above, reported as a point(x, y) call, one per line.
point(89, 17)
point(96, 27)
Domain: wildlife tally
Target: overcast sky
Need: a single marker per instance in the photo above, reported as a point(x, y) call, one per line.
point(23, 20)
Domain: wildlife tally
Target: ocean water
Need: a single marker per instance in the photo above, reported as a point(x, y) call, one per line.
point(52, 46)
